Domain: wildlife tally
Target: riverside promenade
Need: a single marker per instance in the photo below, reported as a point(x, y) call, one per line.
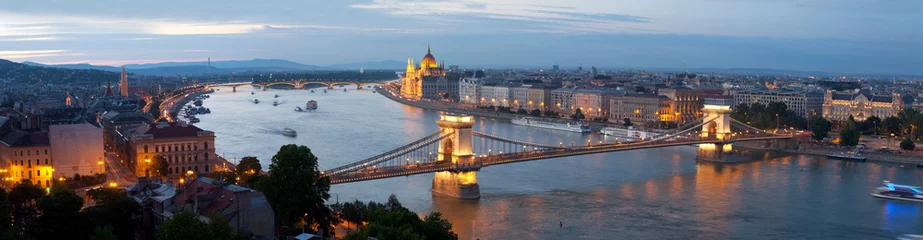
point(456, 108)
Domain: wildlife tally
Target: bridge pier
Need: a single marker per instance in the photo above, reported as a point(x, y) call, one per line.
point(456, 150)
point(713, 152)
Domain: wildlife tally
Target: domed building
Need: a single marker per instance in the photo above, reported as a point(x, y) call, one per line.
point(412, 81)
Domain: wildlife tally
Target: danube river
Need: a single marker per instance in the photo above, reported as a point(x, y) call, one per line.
point(643, 194)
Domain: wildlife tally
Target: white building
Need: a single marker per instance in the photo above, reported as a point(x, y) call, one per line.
point(469, 91)
point(495, 95)
point(519, 97)
point(77, 149)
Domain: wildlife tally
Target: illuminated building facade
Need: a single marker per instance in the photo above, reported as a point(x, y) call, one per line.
point(412, 81)
point(805, 104)
point(838, 106)
point(184, 146)
point(686, 104)
point(640, 109)
point(24, 156)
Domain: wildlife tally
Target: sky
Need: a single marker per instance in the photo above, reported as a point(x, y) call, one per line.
point(848, 36)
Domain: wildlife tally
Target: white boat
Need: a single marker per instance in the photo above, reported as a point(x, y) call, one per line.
point(311, 105)
point(629, 133)
point(849, 155)
point(899, 192)
point(275, 103)
point(298, 109)
point(557, 125)
point(277, 96)
point(289, 132)
point(256, 100)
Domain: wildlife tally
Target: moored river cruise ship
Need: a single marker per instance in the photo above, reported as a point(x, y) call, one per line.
point(550, 124)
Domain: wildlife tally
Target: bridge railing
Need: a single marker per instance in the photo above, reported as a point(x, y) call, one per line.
point(385, 155)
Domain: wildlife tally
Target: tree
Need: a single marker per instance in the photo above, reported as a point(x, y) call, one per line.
point(522, 111)
point(22, 199)
point(248, 166)
point(536, 113)
point(104, 233)
point(183, 225)
point(61, 215)
point(871, 125)
point(219, 227)
point(159, 166)
point(892, 124)
point(297, 190)
point(627, 122)
point(908, 145)
point(820, 127)
point(114, 209)
point(578, 115)
point(849, 134)
point(392, 221)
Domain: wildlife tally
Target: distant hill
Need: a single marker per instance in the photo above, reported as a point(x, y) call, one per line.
point(386, 64)
point(75, 66)
point(18, 72)
point(234, 64)
point(178, 70)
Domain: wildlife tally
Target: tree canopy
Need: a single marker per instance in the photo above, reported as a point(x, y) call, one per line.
point(849, 133)
point(767, 117)
point(393, 221)
point(296, 190)
point(820, 127)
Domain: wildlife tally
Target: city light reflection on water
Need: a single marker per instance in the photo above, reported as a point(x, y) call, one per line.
point(643, 194)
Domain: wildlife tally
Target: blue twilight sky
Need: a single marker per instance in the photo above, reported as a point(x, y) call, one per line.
point(854, 36)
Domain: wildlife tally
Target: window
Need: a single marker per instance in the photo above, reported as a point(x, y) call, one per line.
point(206, 167)
point(30, 164)
point(196, 168)
point(46, 161)
point(46, 151)
point(182, 147)
point(38, 173)
point(206, 145)
point(30, 174)
point(145, 148)
point(169, 148)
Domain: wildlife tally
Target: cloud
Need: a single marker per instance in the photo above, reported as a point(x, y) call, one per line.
point(36, 54)
point(26, 39)
point(556, 18)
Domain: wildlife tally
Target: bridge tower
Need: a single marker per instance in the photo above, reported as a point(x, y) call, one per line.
point(456, 150)
point(719, 128)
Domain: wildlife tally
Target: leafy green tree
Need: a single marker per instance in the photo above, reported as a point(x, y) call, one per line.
point(22, 201)
point(219, 227)
point(159, 166)
point(522, 111)
point(578, 115)
point(871, 125)
point(820, 127)
point(61, 215)
point(296, 190)
point(908, 144)
point(536, 113)
point(849, 134)
point(104, 233)
point(892, 124)
point(183, 225)
point(248, 166)
point(114, 209)
point(627, 122)
point(393, 221)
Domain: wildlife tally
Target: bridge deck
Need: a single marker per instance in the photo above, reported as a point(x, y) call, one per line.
point(422, 168)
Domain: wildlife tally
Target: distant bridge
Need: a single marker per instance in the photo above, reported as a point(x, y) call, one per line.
point(456, 152)
point(301, 83)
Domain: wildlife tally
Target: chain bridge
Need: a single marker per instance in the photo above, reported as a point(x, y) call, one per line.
point(301, 83)
point(455, 153)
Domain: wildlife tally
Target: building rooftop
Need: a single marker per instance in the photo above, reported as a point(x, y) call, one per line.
point(162, 130)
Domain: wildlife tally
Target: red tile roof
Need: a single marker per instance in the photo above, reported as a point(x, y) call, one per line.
point(172, 130)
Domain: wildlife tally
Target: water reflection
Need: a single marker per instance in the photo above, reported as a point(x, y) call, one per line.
point(644, 194)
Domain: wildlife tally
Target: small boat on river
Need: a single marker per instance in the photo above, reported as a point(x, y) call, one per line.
point(289, 132)
point(898, 192)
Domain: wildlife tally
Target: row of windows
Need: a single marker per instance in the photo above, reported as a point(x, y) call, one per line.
point(38, 173)
point(180, 170)
point(28, 153)
point(175, 147)
point(29, 162)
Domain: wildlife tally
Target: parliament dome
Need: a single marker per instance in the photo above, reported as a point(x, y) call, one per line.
point(429, 61)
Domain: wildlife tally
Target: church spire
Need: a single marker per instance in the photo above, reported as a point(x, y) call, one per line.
point(427, 48)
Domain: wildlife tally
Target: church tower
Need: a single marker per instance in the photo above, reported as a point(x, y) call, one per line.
point(69, 101)
point(123, 84)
